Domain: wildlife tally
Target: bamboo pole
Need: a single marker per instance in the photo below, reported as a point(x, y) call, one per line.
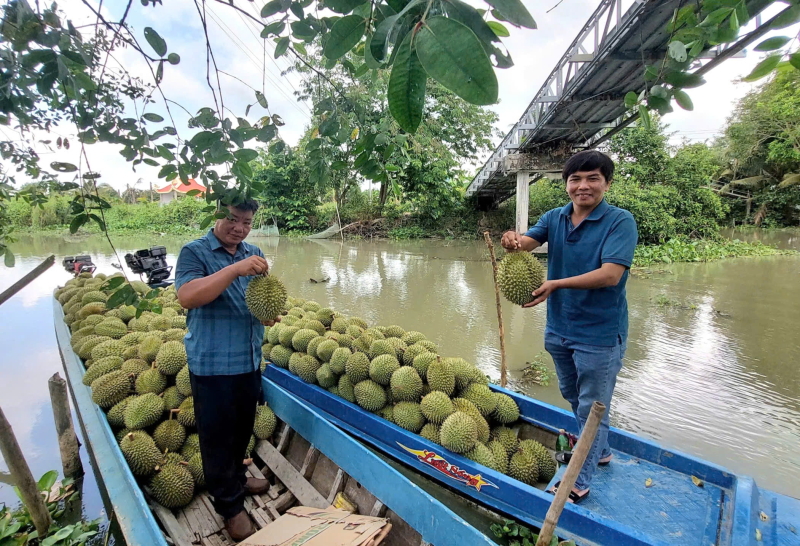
point(26, 279)
point(582, 448)
point(21, 474)
point(503, 366)
point(67, 439)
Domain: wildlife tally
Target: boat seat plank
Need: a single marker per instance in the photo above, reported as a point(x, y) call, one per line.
point(674, 508)
point(255, 472)
point(183, 521)
point(283, 437)
point(291, 478)
point(170, 523)
point(309, 462)
point(206, 498)
point(338, 484)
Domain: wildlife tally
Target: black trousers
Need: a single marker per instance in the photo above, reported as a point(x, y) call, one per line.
point(225, 410)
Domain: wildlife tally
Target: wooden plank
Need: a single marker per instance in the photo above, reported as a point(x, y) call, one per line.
point(310, 462)
point(378, 509)
point(297, 450)
point(206, 498)
point(259, 521)
point(183, 522)
point(338, 485)
point(171, 525)
point(275, 490)
point(263, 513)
point(294, 481)
point(27, 279)
point(283, 503)
point(207, 515)
point(283, 438)
point(195, 525)
point(255, 472)
point(273, 512)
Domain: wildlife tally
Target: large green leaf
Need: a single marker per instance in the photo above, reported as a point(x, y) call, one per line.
point(683, 79)
point(794, 60)
point(453, 56)
point(787, 17)
point(406, 91)
point(343, 6)
point(683, 100)
point(472, 18)
point(513, 11)
point(344, 36)
point(379, 42)
point(369, 58)
point(156, 41)
point(770, 44)
point(763, 68)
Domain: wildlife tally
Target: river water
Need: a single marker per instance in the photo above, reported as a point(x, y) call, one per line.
point(711, 369)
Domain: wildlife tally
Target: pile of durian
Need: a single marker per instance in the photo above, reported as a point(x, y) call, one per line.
point(136, 368)
point(399, 375)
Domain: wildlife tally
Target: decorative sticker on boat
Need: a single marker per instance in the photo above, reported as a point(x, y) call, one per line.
point(437, 462)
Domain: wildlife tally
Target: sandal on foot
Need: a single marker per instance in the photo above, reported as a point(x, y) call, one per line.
point(574, 498)
point(564, 457)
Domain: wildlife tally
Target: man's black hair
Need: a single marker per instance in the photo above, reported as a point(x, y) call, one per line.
point(250, 205)
point(589, 160)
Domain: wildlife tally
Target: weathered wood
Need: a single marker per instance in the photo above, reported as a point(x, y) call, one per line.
point(26, 279)
point(503, 365)
point(253, 469)
point(173, 528)
point(282, 503)
point(68, 443)
point(283, 438)
point(210, 507)
point(21, 474)
point(297, 451)
point(378, 509)
point(310, 462)
point(338, 485)
point(275, 490)
point(260, 522)
point(585, 441)
point(294, 481)
point(523, 197)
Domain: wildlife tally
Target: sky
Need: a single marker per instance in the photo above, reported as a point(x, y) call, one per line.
point(240, 51)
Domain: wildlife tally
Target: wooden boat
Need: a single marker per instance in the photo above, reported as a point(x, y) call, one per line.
point(688, 502)
point(308, 462)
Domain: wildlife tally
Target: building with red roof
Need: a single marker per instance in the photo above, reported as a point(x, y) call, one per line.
point(177, 188)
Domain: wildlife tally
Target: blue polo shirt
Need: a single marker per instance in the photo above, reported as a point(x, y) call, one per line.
point(607, 235)
point(224, 337)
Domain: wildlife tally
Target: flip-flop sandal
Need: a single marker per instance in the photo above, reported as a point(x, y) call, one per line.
point(564, 457)
point(573, 496)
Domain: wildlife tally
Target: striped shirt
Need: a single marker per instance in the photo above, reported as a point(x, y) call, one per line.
point(224, 337)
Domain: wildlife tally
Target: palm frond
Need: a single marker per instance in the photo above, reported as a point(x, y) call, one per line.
point(790, 179)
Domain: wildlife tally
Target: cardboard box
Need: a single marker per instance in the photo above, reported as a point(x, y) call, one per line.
point(305, 526)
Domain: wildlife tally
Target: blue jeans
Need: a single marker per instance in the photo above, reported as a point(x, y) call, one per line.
point(587, 373)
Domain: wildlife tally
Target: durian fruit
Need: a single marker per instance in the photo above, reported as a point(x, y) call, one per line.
point(160, 322)
point(152, 381)
point(325, 316)
point(280, 355)
point(172, 486)
point(286, 335)
point(175, 334)
point(354, 331)
point(459, 433)
point(411, 353)
point(381, 347)
point(481, 455)
point(481, 397)
point(518, 275)
point(94, 308)
point(464, 405)
point(172, 398)
point(265, 297)
point(116, 415)
point(326, 348)
point(301, 339)
point(265, 422)
point(294, 361)
point(406, 385)
point(398, 346)
point(312, 346)
point(317, 326)
point(288, 320)
point(345, 341)
point(89, 343)
point(296, 312)
point(382, 367)
point(441, 377)
point(394, 331)
point(111, 327)
point(144, 411)
point(110, 389)
point(325, 377)
point(94, 296)
point(462, 370)
point(524, 467)
point(171, 357)
point(139, 324)
point(339, 359)
point(436, 407)
point(111, 347)
point(339, 325)
point(101, 367)
point(307, 368)
point(358, 321)
point(506, 411)
point(500, 456)
point(131, 339)
point(195, 468)
point(334, 390)
point(408, 416)
point(169, 435)
point(191, 446)
point(507, 438)
point(545, 462)
point(274, 331)
point(178, 321)
point(171, 458)
point(140, 452)
point(149, 346)
point(357, 367)
point(411, 337)
point(369, 395)
point(346, 389)
point(422, 361)
point(251, 445)
point(386, 412)
point(183, 382)
point(311, 306)
point(430, 432)
point(186, 413)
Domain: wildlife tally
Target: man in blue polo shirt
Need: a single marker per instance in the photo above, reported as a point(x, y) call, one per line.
point(590, 248)
point(223, 347)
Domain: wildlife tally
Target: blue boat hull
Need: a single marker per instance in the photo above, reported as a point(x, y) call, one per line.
point(726, 510)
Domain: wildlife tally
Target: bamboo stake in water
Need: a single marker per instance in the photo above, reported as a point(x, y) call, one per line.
point(582, 448)
point(21, 474)
point(488, 240)
point(67, 439)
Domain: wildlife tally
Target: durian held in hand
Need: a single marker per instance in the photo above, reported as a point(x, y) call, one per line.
point(265, 297)
point(519, 274)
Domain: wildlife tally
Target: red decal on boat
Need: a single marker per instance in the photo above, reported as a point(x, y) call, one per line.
point(439, 463)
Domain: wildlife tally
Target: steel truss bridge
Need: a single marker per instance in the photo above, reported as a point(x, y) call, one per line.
point(581, 104)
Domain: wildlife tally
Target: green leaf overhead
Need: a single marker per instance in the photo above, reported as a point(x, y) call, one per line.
point(498, 29)
point(683, 100)
point(763, 68)
point(344, 35)
point(156, 41)
point(770, 44)
point(406, 91)
point(343, 6)
point(452, 55)
point(513, 11)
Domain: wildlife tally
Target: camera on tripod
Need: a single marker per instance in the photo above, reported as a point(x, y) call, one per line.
point(152, 263)
point(78, 264)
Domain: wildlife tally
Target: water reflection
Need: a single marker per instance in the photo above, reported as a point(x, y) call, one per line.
point(712, 358)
